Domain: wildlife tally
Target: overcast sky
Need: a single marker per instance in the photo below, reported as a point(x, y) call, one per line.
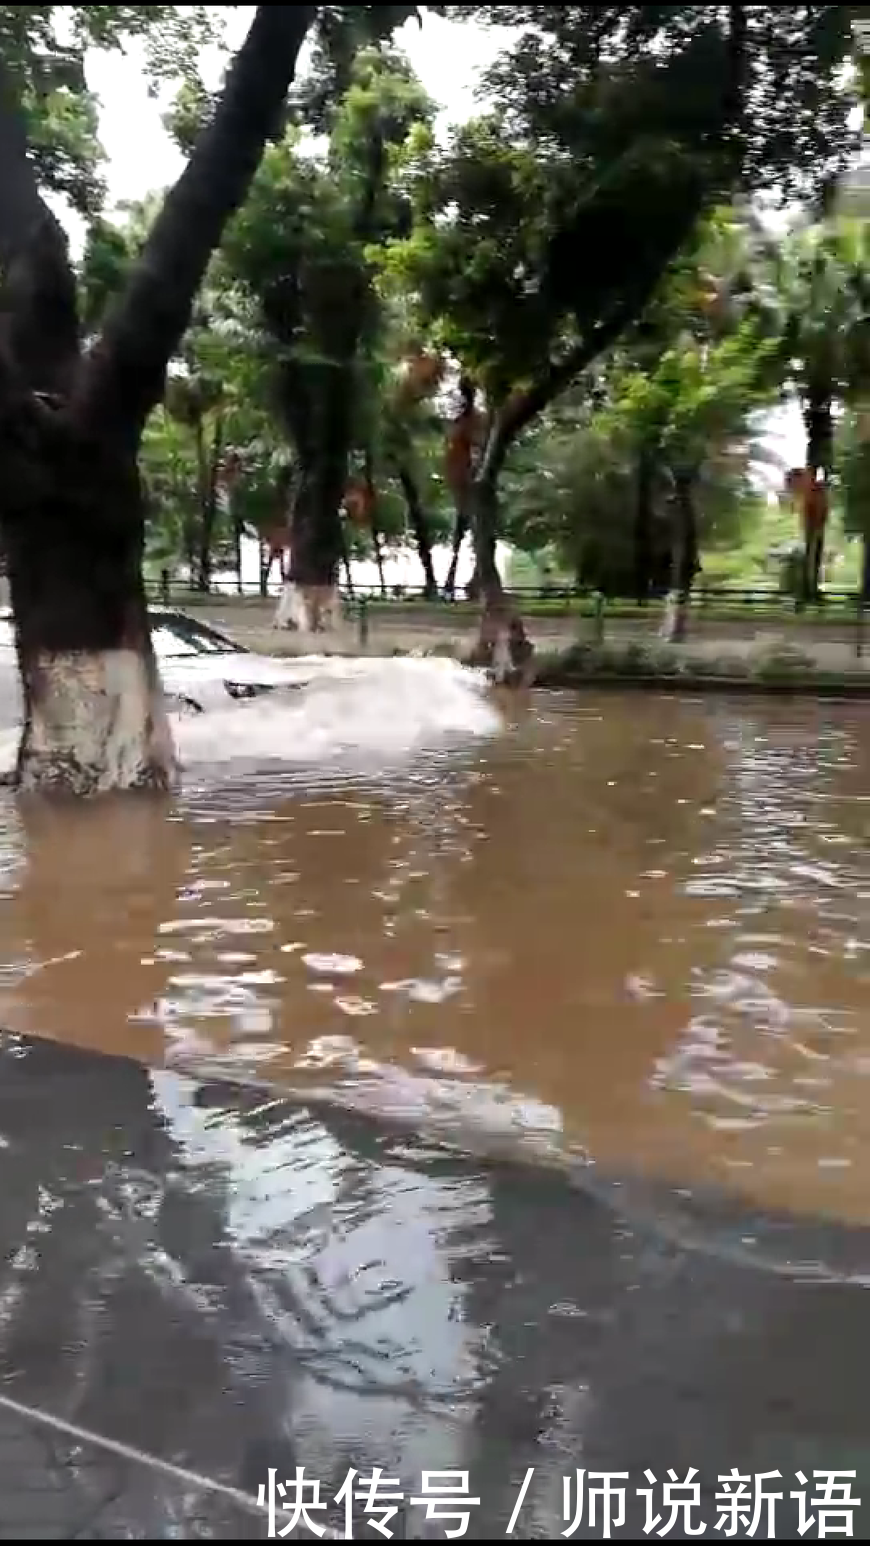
point(448, 58)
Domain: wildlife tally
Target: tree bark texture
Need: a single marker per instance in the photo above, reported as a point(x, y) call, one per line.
point(319, 405)
point(309, 600)
point(208, 469)
point(420, 529)
point(685, 560)
point(819, 428)
point(643, 525)
point(503, 646)
point(372, 505)
point(71, 507)
point(460, 532)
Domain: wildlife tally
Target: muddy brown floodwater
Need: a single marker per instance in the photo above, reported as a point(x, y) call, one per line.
point(633, 927)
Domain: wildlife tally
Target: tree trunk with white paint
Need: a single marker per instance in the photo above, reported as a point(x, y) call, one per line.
point(71, 422)
point(675, 621)
point(502, 646)
point(319, 404)
point(675, 625)
point(308, 608)
point(94, 713)
point(309, 601)
point(94, 722)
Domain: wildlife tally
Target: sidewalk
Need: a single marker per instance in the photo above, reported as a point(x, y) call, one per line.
point(831, 647)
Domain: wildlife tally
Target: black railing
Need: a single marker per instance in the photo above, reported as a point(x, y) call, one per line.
point(170, 591)
point(721, 603)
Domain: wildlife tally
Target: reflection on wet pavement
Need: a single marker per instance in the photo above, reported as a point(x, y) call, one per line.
point(232, 1283)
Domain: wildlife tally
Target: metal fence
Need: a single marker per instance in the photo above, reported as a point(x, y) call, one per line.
point(722, 606)
point(568, 597)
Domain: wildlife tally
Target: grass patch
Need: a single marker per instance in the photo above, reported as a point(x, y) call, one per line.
point(777, 665)
point(836, 610)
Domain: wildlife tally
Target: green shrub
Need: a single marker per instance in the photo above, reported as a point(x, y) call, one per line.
point(777, 658)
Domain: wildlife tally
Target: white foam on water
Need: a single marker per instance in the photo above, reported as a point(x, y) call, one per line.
point(379, 710)
point(189, 671)
point(9, 743)
point(369, 711)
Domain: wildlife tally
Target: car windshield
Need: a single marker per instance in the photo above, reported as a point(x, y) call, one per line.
point(175, 636)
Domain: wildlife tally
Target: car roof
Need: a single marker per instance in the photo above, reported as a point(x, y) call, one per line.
point(174, 618)
point(7, 616)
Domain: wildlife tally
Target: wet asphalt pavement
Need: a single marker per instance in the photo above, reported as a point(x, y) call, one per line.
point(230, 1282)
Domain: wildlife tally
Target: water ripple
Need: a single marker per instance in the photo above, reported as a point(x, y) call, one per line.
point(638, 931)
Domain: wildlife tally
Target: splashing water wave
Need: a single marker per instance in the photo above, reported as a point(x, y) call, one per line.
point(371, 710)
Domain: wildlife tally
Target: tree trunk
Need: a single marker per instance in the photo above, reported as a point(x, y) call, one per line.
point(319, 406)
point(372, 501)
point(345, 560)
point(502, 644)
point(94, 713)
point(198, 570)
point(474, 588)
point(643, 525)
point(309, 600)
point(209, 466)
point(460, 532)
point(238, 533)
point(379, 556)
point(320, 422)
point(265, 569)
point(815, 552)
point(819, 427)
point(74, 528)
point(865, 570)
point(189, 544)
point(420, 528)
point(70, 427)
point(684, 560)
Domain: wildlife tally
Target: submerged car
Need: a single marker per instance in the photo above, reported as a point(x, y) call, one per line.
point(200, 666)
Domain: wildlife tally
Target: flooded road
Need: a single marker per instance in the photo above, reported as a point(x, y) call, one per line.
point(571, 996)
point(629, 929)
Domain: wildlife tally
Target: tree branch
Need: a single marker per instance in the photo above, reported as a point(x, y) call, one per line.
point(523, 407)
point(21, 205)
point(38, 313)
point(124, 376)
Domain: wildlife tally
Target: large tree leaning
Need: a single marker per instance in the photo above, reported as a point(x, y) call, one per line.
point(673, 152)
point(71, 421)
